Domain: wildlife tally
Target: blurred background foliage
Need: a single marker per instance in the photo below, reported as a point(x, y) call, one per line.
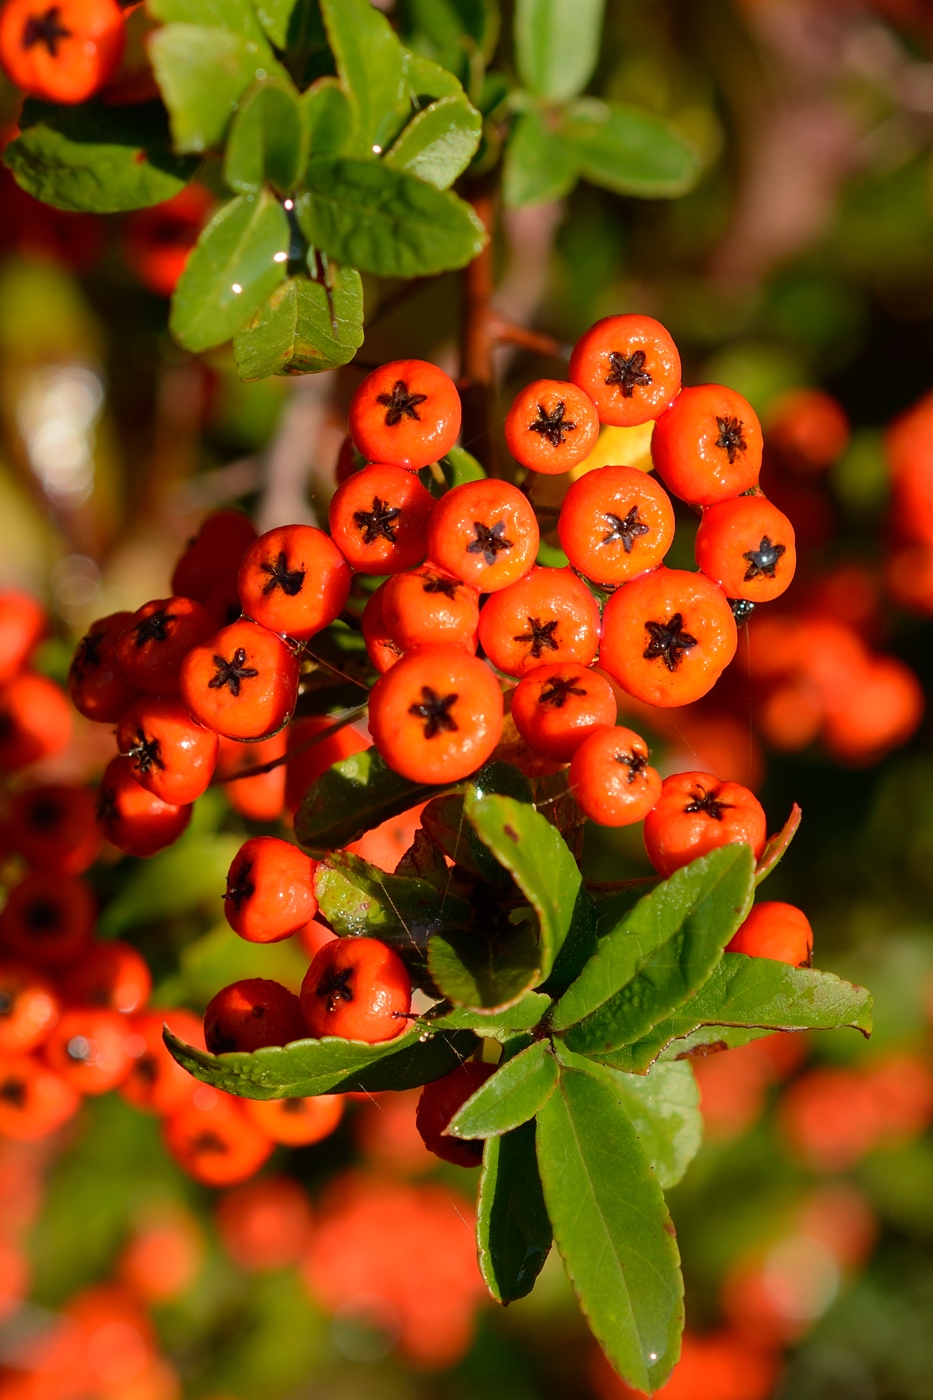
point(802, 257)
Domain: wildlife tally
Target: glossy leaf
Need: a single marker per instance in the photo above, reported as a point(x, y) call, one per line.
point(371, 68)
point(628, 150)
point(358, 899)
point(96, 158)
point(305, 327)
point(513, 1232)
point(663, 1108)
point(460, 466)
point(351, 798)
point(522, 1015)
point(777, 845)
point(557, 45)
point(438, 144)
point(757, 992)
point(266, 141)
point(237, 16)
point(612, 1227)
point(444, 820)
point(660, 953)
point(510, 1097)
point(423, 861)
point(537, 857)
point(329, 119)
point(384, 221)
point(328, 1066)
point(237, 262)
point(539, 164)
point(202, 74)
point(277, 19)
point(426, 79)
point(485, 973)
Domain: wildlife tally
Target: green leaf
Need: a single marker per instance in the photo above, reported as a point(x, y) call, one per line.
point(267, 140)
point(628, 150)
point(275, 16)
point(537, 857)
point(304, 327)
point(351, 798)
point(612, 1228)
point(96, 158)
point(237, 16)
point(444, 819)
point(460, 466)
point(483, 972)
point(425, 78)
point(236, 263)
point(423, 861)
point(522, 1015)
point(510, 1097)
point(557, 45)
point(757, 992)
point(539, 164)
point(181, 878)
point(777, 845)
point(453, 29)
point(661, 952)
point(202, 74)
point(371, 68)
point(360, 900)
point(383, 221)
point(438, 144)
point(329, 118)
point(513, 1233)
point(328, 1066)
point(663, 1108)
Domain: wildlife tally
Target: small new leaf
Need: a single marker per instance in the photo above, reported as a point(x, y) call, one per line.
point(438, 144)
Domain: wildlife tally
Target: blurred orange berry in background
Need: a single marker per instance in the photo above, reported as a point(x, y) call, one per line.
point(265, 1224)
point(162, 1258)
point(157, 241)
point(809, 428)
point(721, 1366)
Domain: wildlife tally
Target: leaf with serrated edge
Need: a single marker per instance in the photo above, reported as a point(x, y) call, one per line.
point(438, 144)
point(385, 221)
point(777, 845)
point(539, 861)
point(760, 993)
point(360, 900)
point(612, 1228)
point(522, 1015)
point(513, 1233)
point(351, 797)
point(328, 1066)
point(513, 1095)
point(663, 1108)
point(484, 974)
point(661, 952)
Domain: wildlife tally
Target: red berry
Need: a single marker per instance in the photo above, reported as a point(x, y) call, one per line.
point(778, 931)
point(485, 533)
point(296, 1122)
point(615, 522)
point(214, 1141)
point(35, 721)
point(169, 754)
point(22, 626)
point(34, 1101)
point(294, 581)
point(214, 555)
point(242, 683)
point(629, 367)
point(556, 707)
point(29, 1008)
point(707, 446)
point(262, 797)
point(61, 53)
point(611, 778)
point(97, 686)
point(406, 413)
point(358, 989)
point(113, 975)
point(132, 819)
point(270, 890)
point(379, 519)
point(53, 827)
point(438, 1104)
point(696, 814)
point(155, 1081)
point(551, 426)
point(250, 1014)
point(88, 1049)
point(151, 646)
point(48, 919)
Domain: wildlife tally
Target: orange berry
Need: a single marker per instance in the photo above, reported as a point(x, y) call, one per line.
point(611, 778)
point(707, 445)
point(747, 546)
point(48, 919)
point(426, 606)
point(551, 426)
point(111, 974)
point(378, 519)
point(406, 413)
point(61, 52)
point(270, 890)
point(614, 523)
point(132, 819)
point(667, 636)
point(217, 549)
point(214, 1141)
point(438, 1104)
point(485, 533)
point(97, 686)
point(556, 707)
point(778, 931)
point(696, 814)
point(242, 682)
point(297, 1122)
point(294, 581)
point(437, 715)
point(88, 1049)
point(22, 627)
point(35, 721)
point(356, 988)
point(168, 753)
point(809, 428)
point(151, 646)
point(265, 1224)
point(262, 797)
point(29, 1008)
point(53, 827)
point(548, 616)
point(381, 647)
point(250, 1014)
point(34, 1101)
point(155, 1081)
point(629, 366)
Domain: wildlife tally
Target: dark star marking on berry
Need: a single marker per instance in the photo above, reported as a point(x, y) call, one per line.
point(45, 814)
point(708, 802)
point(552, 425)
point(628, 371)
point(335, 986)
point(106, 810)
point(635, 763)
point(434, 709)
point(763, 561)
point(42, 916)
point(558, 690)
point(730, 437)
point(154, 628)
point(433, 583)
point(240, 887)
point(488, 542)
point(742, 609)
point(540, 635)
point(88, 653)
point(146, 753)
point(207, 1141)
point(281, 576)
point(377, 523)
point(400, 404)
point(627, 528)
point(231, 673)
point(13, 1091)
point(669, 641)
point(45, 29)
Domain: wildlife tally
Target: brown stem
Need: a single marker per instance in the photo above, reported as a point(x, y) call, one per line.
point(477, 344)
point(507, 333)
point(619, 886)
point(348, 718)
